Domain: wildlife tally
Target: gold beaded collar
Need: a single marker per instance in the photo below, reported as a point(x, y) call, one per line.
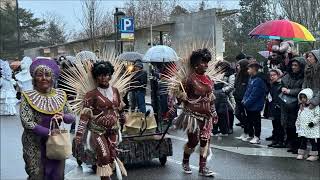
point(50, 103)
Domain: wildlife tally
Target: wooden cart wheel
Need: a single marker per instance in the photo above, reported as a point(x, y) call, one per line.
point(79, 162)
point(94, 168)
point(163, 160)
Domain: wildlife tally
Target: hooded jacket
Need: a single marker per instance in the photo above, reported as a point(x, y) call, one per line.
point(253, 99)
point(307, 115)
point(275, 90)
point(293, 81)
point(312, 78)
point(222, 91)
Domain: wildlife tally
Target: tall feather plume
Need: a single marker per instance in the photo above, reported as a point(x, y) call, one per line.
point(78, 78)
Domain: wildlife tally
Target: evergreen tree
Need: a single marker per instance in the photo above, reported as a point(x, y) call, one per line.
point(30, 31)
point(236, 29)
point(253, 13)
point(54, 34)
point(202, 5)
point(178, 10)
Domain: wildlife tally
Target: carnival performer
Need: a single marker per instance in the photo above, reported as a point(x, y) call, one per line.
point(24, 79)
point(8, 93)
point(38, 107)
point(199, 112)
point(100, 119)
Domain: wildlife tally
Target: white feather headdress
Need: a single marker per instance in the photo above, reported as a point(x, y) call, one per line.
point(78, 79)
point(179, 72)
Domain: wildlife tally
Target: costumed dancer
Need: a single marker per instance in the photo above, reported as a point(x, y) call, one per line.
point(199, 112)
point(8, 93)
point(24, 78)
point(38, 107)
point(101, 117)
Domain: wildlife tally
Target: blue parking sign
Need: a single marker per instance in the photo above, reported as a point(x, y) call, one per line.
point(127, 25)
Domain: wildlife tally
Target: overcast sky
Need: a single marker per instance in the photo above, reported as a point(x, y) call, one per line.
point(69, 10)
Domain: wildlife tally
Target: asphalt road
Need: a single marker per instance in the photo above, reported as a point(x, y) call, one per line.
point(232, 159)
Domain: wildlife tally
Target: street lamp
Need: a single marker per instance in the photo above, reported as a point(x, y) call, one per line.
point(117, 15)
point(18, 31)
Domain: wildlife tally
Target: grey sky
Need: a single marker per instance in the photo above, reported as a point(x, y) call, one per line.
point(70, 10)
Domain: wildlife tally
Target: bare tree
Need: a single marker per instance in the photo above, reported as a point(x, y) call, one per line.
point(306, 12)
point(148, 12)
point(55, 28)
point(91, 20)
point(107, 25)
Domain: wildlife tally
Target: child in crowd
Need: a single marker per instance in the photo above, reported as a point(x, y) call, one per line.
point(275, 90)
point(253, 102)
point(308, 125)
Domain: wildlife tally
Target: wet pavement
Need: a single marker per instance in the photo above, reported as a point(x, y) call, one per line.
point(232, 159)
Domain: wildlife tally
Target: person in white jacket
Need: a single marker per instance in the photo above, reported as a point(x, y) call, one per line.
point(24, 79)
point(308, 126)
point(8, 93)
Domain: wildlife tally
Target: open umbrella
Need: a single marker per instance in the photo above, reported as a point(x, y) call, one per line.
point(71, 59)
point(282, 29)
point(160, 53)
point(86, 56)
point(130, 56)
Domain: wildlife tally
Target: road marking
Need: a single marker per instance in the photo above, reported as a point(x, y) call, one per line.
point(248, 151)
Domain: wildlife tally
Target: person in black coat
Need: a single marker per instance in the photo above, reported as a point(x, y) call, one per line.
point(275, 105)
point(291, 86)
point(222, 91)
point(240, 86)
point(139, 84)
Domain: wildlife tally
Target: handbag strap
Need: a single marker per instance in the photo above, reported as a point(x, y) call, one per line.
point(50, 127)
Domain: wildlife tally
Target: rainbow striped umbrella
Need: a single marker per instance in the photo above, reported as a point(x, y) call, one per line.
point(282, 29)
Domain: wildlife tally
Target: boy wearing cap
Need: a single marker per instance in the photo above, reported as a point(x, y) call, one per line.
point(253, 102)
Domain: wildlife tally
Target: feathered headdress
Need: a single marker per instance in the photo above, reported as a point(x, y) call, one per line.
point(78, 78)
point(180, 71)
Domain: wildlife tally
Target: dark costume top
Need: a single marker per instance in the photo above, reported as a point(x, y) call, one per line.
point(199, 109)
point(100, 116)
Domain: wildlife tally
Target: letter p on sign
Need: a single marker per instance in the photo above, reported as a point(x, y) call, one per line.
point(127, 25)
